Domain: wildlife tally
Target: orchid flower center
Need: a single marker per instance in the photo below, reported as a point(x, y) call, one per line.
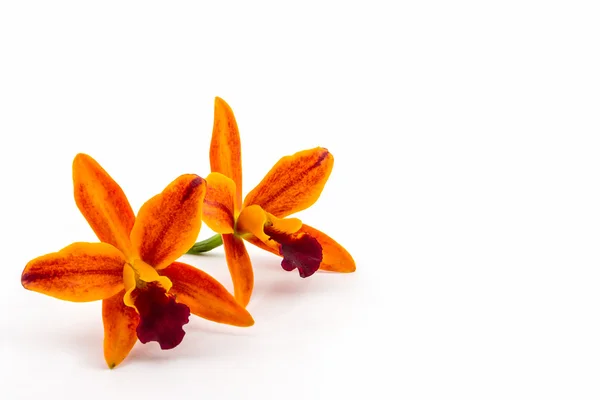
point(161, 317)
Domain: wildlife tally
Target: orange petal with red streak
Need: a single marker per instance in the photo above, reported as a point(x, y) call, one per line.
point(294, 183)
point(240, 268)
point(205, 296)
point(218, 210)
point(225, 148)
point(168, 224)
point(103, 203)
point(335, 257)
point(120, 323)
point(79, 272)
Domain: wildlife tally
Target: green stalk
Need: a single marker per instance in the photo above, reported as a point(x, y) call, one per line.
point(206, 245)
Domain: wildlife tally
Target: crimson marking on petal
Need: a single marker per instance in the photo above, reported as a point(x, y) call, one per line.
point(321, 158)
point(194, 183)
point(221, 207)
point(161, 317)
point(35, 275)
point(299, 250)
point(151, 251)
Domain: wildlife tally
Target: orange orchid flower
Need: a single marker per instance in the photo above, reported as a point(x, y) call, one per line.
point(145, 293)
point(292, 185)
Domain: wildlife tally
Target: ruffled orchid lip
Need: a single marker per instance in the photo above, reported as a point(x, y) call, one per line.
point(282, 235)
point(161, 317)
point(299, 250)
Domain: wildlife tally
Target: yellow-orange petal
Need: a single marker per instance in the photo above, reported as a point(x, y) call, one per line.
point(240, 268)
point(120, 323)
point(335, 257)
point(294, 183)
point(205, 296)
point(259, 243)
point(218, 210)
point(79, 272)
point(103, 203)
point(168, 224)
point(253, 220)
point(225, 148)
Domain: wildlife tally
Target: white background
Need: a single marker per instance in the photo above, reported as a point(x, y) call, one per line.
point(466, 185)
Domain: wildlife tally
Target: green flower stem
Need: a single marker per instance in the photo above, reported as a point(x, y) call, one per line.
point(206, 245)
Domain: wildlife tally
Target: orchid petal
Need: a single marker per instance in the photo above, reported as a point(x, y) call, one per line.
point(79, 272)
point(205, 296)
point(294, 183)
point(103, 203)
point(168, 224)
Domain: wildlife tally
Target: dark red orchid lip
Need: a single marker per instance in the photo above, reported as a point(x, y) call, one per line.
point(299, 250)
point(161, 317)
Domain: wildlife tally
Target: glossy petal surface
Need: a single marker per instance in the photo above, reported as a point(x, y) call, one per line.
point(168, 224)
point(205, 297)
point(294, 183)
point(240, 268)
point(103, 203)
point(218, 211)
point(225, 148)
point(120, 323)
point(79, 272)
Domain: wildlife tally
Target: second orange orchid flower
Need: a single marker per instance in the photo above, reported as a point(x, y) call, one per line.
point(292, 185)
